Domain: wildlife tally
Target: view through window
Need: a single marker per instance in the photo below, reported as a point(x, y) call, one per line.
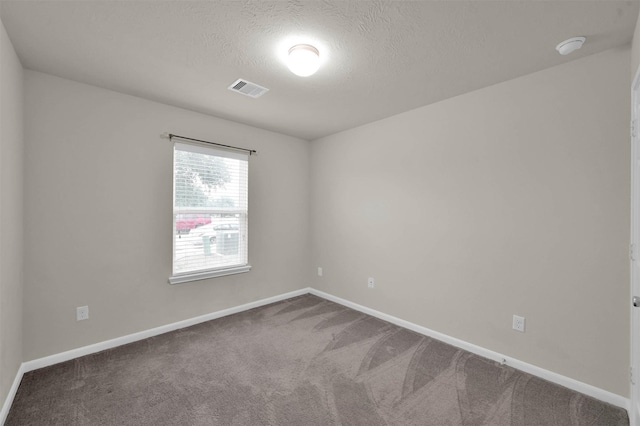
point(210, 204)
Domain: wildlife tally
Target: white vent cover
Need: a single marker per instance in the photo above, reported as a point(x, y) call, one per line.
point(247, 88)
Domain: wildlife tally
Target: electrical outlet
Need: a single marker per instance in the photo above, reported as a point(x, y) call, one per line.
point(371, 283)
point(82, 313)
point(319, 271)
point(518, 323)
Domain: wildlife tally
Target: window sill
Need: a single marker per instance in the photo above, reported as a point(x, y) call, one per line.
point(184, 278)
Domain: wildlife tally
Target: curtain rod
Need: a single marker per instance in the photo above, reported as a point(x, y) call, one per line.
point(171, 136)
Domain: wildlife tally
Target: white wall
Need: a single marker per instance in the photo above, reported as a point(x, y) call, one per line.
point(513, 199)
point(98, 224)
point(635, 49)
point(11, 212)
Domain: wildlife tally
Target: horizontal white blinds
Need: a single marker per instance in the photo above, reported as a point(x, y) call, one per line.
point(210, 220)
point(210, 150)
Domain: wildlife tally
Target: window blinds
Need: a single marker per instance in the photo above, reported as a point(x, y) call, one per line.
point(210, 210)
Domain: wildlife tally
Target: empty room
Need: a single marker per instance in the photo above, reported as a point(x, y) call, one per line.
point(319, 213)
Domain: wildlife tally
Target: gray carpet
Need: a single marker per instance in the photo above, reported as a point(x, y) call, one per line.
point(304, 361)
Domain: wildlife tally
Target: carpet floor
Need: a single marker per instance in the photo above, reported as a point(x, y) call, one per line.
point(303, 361)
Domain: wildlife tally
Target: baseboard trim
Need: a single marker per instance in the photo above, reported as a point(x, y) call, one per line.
point(556, 378)
point(559, 379)
point(12, 394)
point(130, 338)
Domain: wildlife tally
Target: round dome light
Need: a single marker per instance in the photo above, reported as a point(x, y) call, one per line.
point(303, 60)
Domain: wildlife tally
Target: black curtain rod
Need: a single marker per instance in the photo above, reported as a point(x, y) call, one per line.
point(250, 151)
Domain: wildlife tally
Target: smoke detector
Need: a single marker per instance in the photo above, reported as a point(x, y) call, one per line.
point(247, 88)
point(570, 45)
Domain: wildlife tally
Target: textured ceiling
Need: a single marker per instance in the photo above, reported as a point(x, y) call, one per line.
point(380, 57)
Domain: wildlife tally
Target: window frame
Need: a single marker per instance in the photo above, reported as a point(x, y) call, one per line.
point(195, 275)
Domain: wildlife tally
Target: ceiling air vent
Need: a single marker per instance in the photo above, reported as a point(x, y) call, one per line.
point(247, 88)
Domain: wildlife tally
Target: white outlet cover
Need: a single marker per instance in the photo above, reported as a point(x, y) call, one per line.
point(518, 323)
point(82, 313)
point(319, 271)
point(371, 283)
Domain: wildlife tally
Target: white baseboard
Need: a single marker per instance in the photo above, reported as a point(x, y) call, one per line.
point(559, 379)
point(130, 338)
point(11, 395)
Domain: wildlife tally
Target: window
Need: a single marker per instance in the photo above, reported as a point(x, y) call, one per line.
point(210, 205)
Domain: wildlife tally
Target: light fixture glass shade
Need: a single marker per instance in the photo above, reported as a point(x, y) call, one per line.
point(303, 60)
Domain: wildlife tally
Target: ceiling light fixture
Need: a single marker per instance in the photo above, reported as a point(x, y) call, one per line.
point(570, 45)
point(303, 60)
